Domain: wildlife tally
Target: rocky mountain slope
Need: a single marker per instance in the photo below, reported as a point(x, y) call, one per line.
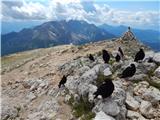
point(51, 34)
point(148, 37)
point(30, 84)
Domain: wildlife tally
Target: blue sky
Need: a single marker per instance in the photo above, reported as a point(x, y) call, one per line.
point(142, 14)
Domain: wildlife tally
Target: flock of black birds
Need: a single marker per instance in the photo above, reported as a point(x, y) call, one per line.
point(106, 89)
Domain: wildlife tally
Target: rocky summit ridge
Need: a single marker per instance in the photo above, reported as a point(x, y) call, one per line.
point(30, 83)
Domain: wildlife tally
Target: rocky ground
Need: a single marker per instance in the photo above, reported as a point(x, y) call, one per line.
point(30, 87)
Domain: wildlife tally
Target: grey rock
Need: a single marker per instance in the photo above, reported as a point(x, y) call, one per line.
point(152, 94)
point(47, 110)
point(87, 90)
point(111, 108)
point(102, 116)
point(157, 72)
point(67, 98)
point(89, 76)
point(155, 80)
point(49, 105)
point(156, 57)
point(134, 115)
point(145, 67)
point(119, 94)
point(92, 89)
point(83, 70)
point(146, 109)
point(8, 111)
point(30, 96)
point(39, 86)
point(122, 114)
point(138, 77)
point(131, 103)
point(108, 106)
point(107, 72)
point(140, 88)
point(72, 84)
point(149, 54)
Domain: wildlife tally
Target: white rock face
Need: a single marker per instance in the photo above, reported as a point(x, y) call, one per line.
point(146, 109)
point(108, 106)
point(111, 108)
point(119, 94)
point(156, 57)
point(134, 115)
point(83, 69)
point(149, 54)
point(72, 83)
point(138, 77)
point(38, 86)
point(145, 67)
point(157, 72)
point(8, 111)
point(131, 103)
point(31, 96)
point(67, 98)
point(92, 89)
point(156, 80)
point(152, 94)
point(102, 116)
point(46, 110)
point(140, 88)
point(89, 76)
point(107, 72)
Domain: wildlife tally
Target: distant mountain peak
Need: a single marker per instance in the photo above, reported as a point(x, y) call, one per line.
point(53, 33)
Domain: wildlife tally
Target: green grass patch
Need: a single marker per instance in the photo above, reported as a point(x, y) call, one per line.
point(82, 109)
point(88, 116)
point(100, 79)
point(111, 61)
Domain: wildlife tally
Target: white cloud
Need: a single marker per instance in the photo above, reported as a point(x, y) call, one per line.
point(74, 9)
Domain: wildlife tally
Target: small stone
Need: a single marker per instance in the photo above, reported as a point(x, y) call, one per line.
point(110, 107)
point(134, 115)
point(102, 116)
point(140, 88)
point(157, 72)
point(145, 67)
point(156, 57)
point(107, 72)
point(31, 96)
point(152, 94)
point(131, 103)
point(146, 109)
point(139, 77)
point(67, 98)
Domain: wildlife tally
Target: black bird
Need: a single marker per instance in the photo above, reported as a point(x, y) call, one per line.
point(140, 55)
point(129, 71)
point(105, 90)
point(106, 56)
point(91, 57)
point(63, 81)
point(118, 58)
point(121, 52)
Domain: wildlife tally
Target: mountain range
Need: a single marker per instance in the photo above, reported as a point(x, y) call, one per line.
point(51, 34)
point(65, 32)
